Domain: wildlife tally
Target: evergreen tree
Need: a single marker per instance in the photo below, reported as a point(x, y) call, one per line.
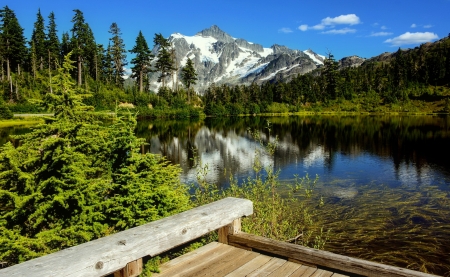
point(13, 41)
point(82, 42)
point(38, 39)
point(118, 54)
point(164, 63)
point(330, 72)
point(73, 180)
point(66, 47)
point(141, 61)
point(13, 44)
point(53, 46)
point(189, 76)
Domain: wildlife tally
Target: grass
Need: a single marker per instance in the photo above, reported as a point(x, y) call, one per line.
point(28, 121)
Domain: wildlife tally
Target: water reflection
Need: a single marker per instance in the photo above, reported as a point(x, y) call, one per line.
point(393, 150)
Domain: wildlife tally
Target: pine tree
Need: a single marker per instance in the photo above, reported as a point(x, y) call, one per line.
point(164, 63)
point(53, 45)
point(66, 47)
point(118, 54)
point(189, 76)
point(141, 61)
point(13, 44)
point(83, 43)
point(38, 38)
point(330, 72)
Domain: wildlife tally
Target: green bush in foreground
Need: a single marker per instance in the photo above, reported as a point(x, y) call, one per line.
point(72, 180)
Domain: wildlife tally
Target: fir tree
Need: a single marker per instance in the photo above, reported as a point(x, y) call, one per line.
point(141, 61)
point(38, 39)
point(330, 72)
point(83, 43)
point(189, 76)
point(13, 40)
point(13, 43)
point(164, 63)
point(53, 45)
point(118, 53)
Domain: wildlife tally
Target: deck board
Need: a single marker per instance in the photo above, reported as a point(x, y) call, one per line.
point(217, 260)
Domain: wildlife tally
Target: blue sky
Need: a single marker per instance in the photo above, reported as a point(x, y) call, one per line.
point(346, 27)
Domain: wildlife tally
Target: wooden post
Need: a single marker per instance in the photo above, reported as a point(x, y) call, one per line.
point(132, 269)
point(230, 229)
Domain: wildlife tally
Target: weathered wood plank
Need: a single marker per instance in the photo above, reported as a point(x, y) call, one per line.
point(267, 268)
point(194, 262)
point(322, 273)
point(285, 270)
point(304, 271)
point(224, 264)
point(109, 254)
point(322, 258)
point(249, 267)
point(197, 254)
point(339, 275)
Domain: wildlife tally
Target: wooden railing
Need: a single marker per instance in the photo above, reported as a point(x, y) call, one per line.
point(121, 253)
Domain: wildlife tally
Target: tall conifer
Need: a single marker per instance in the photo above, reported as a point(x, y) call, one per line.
point(141, 61)
point(118, 53)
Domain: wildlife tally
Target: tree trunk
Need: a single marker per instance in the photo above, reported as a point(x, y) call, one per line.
point(50, 72)
point(141, 76)
point(79, 70)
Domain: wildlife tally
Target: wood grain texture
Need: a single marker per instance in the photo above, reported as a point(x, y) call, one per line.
point(322, 258)
point(112, 253)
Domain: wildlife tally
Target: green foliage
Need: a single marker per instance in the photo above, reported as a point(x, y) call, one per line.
point(277, 108)
point(74, 179)
point(5, 112)
point(188, 74)
point(141, 61)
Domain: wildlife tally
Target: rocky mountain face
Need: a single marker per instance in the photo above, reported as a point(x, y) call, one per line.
point(352, 61)
point(221, 59)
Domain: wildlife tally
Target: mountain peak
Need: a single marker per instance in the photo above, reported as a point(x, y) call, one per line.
point(215, 32)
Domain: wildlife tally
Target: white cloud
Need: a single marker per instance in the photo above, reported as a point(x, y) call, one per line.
point(348, 19)
point(285, 30)
point(383, 27)
point(428, 26)
point(340, 31)
point(318, 27)
point(413, 25)
point(412, 38)
point(303, 27)
point(380, 34)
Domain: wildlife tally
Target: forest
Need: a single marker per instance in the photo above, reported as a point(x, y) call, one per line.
point(412, 80)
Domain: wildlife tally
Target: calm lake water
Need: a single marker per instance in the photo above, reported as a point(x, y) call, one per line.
point(385, 180)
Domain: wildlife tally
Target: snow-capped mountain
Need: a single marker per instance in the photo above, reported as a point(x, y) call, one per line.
point(221, 59)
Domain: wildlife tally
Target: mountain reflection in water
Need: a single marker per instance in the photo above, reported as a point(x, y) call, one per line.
point(390, 150)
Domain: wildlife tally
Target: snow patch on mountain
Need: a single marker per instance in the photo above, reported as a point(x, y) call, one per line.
point(318, 59)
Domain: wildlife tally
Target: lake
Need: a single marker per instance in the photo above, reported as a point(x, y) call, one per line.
point(385, 180)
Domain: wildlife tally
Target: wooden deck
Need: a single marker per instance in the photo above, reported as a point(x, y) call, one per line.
point(217, 259)
point(235, 254)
